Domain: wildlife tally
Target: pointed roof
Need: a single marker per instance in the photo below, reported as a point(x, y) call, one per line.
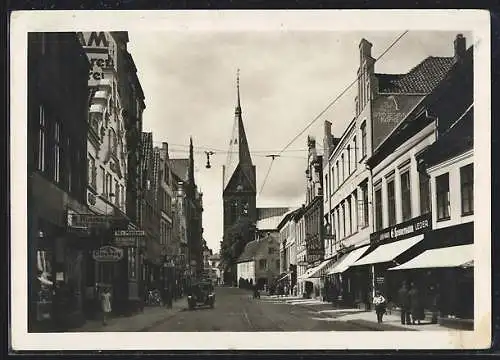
point(239, 152)
point(180, 168)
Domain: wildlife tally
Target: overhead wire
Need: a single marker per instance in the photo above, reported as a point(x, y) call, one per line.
point(349, 86)
point(341, 93)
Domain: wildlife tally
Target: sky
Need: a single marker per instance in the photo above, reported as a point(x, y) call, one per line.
point(286, 79)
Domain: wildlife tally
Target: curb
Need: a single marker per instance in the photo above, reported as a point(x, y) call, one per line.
point(378, 327)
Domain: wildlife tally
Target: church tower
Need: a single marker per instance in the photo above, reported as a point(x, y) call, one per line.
point(239, 177)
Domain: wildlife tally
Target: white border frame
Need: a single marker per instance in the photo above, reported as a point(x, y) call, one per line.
point(325, 20)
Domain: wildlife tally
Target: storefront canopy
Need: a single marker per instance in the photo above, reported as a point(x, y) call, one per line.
point(347, 260)
point(319, 270)
point(388, 252)
point(455, 256)
point(306, 274)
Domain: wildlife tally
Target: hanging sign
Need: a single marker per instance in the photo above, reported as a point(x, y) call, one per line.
point(107, 254)
point(129, 238)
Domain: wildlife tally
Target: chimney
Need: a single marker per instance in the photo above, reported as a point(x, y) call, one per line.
point(365, 49)
point(459, 45)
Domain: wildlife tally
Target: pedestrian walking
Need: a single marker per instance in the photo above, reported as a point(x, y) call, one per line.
point(169, 298)
point(404, 304)
point(380, 305)
point(436, 303)
point(105, 304)
point(416, 307)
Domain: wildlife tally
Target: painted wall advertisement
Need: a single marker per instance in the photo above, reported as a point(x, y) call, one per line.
point(101, 51)
point(388, 112)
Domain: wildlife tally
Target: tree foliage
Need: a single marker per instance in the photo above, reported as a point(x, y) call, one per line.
point(235, 239)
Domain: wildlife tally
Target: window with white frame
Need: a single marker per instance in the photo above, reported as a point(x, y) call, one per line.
point(378, 208)
point(391, 202)
point(467, 189)
point(348, 160)
point(364, 197)
point(343, 168)
point(424, 188)
point(443, 197)
point(405, 195)
point(355, 152)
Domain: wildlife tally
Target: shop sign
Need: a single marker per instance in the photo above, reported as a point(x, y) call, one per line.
point(107, 254)
point(413, 227)
point(101, 52)
point(127, 238)
point(85, 221)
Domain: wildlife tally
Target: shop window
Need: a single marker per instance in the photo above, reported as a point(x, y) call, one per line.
point(391, 197)
point(443, 197)
point(363, 139)
point(42, 131)
point(406, 195)
point(378, 209)
point(44, 285)
point(467, 189)
point(425, 206)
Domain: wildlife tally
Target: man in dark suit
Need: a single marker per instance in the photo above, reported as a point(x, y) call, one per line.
point(404, 304)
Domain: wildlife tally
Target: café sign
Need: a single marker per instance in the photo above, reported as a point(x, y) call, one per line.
point(413, 227)
point(107, 254)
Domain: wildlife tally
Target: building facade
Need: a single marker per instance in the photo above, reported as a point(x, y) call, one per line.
point(403, 210)
point(57, 179)
point(259, 263)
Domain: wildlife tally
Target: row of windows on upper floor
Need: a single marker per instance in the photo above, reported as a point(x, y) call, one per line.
point(442, 196)
point(346, 164)
point(57, 155)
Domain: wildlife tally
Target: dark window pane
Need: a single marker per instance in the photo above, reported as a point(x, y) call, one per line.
point(443, 196)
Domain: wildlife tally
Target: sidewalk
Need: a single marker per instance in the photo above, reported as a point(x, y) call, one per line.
point(368, 319)
point(142, 321)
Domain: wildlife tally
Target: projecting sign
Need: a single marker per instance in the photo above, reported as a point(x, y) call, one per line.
point(107, 254)
point(126, 238)
point(86, 220)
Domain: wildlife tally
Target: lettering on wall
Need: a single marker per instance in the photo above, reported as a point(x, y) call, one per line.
point(415, 226)
point(101, 52)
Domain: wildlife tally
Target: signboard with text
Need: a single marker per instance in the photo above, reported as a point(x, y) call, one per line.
point(314, 249)
point(84, 221)
point(413, 227)
point(129, 238)
point(100, 48)
point(107, 254)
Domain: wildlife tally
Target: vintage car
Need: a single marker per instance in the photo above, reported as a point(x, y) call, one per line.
point(201, 294)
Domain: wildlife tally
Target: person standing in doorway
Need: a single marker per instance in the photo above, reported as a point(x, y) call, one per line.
point(380, 304)
point(416, 308)
point(404, 304)
point(105, 304)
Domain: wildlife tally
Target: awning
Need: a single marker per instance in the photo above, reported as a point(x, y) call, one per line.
point(454, 256)
point(387, 252)
point(347, 260)
point(306, 274)
point(319, 270)
point(283, 277)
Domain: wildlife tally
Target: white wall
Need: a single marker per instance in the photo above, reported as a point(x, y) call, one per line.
point(452, 167)
point(246, 270)
point(397, 163)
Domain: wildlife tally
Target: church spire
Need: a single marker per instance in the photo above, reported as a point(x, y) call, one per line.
point(237, 111)
point(191, 162)
point(239, 152)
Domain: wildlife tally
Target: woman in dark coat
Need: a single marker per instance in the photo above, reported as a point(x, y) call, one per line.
point(416, 306)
